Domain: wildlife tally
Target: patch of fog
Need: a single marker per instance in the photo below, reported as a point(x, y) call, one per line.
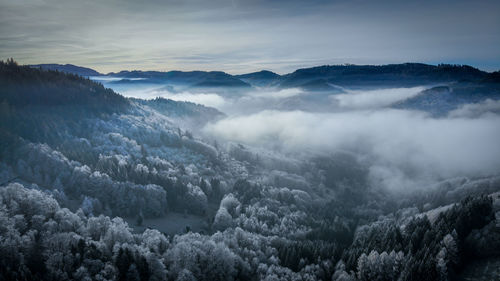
point(112, 79)
point(207, 99)
point(140, 92)
point(145, 91)
point(476, 110)
point(366, 99)
point(269, 99)
point(402, 148)
point(237, 104)
point(276, 94)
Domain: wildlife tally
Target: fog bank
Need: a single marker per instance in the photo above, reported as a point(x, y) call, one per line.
point(399, 146)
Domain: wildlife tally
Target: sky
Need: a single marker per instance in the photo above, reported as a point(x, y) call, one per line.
point(240, 36)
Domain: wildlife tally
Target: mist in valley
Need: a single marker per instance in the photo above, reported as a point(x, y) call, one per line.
point(401, 150)
point(211, 176)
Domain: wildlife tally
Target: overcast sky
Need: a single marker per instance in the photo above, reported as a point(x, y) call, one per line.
point(240, 36)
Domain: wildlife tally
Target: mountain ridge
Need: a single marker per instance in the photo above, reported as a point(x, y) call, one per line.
point(68, 68)
point(406, 74)
point(315, 78)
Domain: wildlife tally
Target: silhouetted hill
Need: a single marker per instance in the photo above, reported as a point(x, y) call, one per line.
point(150, 75)
point(320, 78)
point(441, 99)
point(493, 77)
point(184, 78)
point(68, 68)
point(206, 79)
point(263, 74)
point(127, 81)
point(27, 86)
point(261, 78)
point(406, 74)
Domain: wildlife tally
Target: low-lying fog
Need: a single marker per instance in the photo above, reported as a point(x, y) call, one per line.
point(401, 148)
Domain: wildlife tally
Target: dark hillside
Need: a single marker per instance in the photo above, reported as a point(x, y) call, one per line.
point(261, 78)
point(23, 86)
point(406, 74)
point(68, 68)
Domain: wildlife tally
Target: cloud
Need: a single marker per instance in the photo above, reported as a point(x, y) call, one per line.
point(296, 98)
point(105, 79)
point(477, 109)
point(277, 94)
point(187, 35)
point(401, 148)
point(356, 99)
point(208, 99)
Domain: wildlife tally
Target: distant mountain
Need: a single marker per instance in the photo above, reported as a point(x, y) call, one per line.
point(407, 74)
point(206, 79)
point(261, 78)
point(196, 79)
point(493, 77)
point(263, 74)
point(320, 78)
point(127, 81)
point(439, 100)
point(68, 68)
point(149, 75)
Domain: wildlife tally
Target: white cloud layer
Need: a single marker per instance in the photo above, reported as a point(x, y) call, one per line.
point(402, 148)
point(277, 94)
point(477, 109)
point(356, 99)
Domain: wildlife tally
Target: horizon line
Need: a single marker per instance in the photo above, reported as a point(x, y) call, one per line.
point(263, 69)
